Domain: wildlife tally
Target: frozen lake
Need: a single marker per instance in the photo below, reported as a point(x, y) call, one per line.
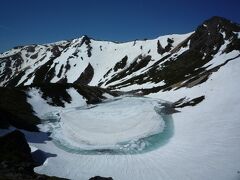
point(125, 125)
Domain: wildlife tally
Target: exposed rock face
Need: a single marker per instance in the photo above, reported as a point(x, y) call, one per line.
point(167, 48)
point(100, 178)
point(16, 161)
point(15, 111)
point(86, 77)
point(15, 154)
point(121, 64)
point(209, 36)
point(160, 49)
point(58, 93)
point(14, 148)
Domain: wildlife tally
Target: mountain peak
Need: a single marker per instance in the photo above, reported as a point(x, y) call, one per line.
point(86, 36)
point(218, 19)
point(218, 23)
point(212, 33)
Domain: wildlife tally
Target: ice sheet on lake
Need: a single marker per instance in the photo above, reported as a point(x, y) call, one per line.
point(121, 125)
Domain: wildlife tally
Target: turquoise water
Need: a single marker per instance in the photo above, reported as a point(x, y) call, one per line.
point(137, 146)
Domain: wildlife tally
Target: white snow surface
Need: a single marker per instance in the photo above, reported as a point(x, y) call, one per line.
point(205, 144)
point(206, 140)
point(42, 107)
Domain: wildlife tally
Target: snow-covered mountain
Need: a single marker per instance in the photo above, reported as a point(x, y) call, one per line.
point(82, 60)
point(195, 73)
point(164, 63)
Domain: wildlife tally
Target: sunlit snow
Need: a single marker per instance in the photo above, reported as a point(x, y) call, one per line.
point(205, 143)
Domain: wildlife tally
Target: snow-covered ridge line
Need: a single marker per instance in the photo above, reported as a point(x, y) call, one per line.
point(162, 63)
point(3, 54)
point(72, 57)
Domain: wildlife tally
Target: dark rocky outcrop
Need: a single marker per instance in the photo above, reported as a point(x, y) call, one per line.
point(14, 81)
point(14, 148)
point(15, 111)
point(121, 64)
point(86, 76)
point(42, 72)
point(183, 102)
point(160, 49)
point(16, 161)
point(208, 37)
point(167, 48)
point(101, 178)
point(87, 41)
point(60, 71)
point(30, 49)
point(58, 93)
point(139, 62)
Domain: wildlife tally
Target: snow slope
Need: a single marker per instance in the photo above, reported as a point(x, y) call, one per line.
point(67, 60)
point(203, 139)
point(205, 144)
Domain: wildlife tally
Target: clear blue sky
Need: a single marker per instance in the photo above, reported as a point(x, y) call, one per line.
point(41, 21)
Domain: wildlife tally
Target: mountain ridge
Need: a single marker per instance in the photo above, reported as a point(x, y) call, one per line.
point(67, 91)
point(140, 66)
point(57, 48)
point(143, 67)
